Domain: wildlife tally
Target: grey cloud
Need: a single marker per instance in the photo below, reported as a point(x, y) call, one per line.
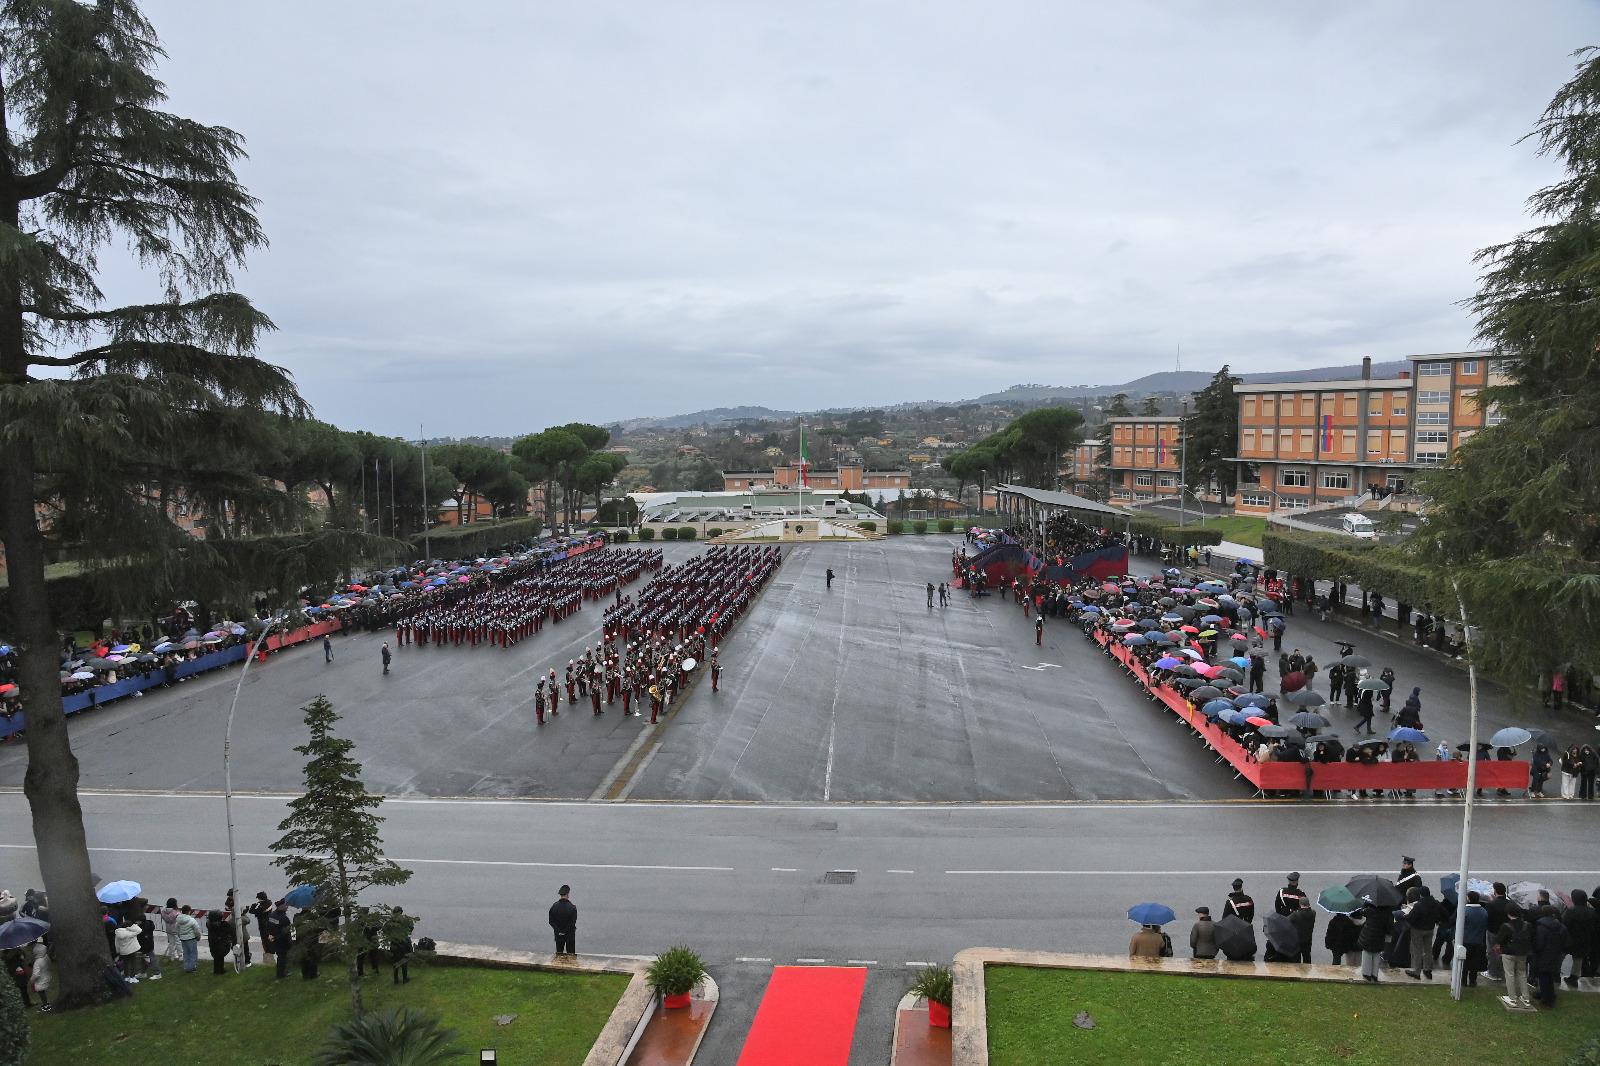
point(506, 215)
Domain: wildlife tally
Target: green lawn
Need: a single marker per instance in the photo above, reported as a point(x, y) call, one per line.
point(1199, 1021)
point(250, 1019)
point(1239, 528)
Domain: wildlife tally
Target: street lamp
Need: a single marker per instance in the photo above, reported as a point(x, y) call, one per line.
point(227, 793)
point(1458, 961)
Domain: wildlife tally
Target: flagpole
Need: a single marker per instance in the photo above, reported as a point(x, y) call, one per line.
point(799, 491)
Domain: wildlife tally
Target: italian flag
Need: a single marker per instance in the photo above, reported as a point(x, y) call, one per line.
point(805, 459)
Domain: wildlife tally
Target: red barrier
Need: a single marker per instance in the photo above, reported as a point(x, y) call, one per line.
point(1329, 777)
point(303, 634)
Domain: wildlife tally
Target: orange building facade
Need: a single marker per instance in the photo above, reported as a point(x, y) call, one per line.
point(1145, 457)
point(847, 478)
point(1306, 443)
point(1086, 472)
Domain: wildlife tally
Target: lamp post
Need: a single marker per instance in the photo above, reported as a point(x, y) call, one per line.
point(1458, 961)
point(227, 793)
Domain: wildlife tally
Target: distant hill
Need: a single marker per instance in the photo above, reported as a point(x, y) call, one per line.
point(1164, 381)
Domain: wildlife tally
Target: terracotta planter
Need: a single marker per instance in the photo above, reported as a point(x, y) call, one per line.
point(938, 1015)
point(677, 1002)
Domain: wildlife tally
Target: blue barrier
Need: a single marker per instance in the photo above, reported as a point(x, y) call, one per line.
point(101, 694)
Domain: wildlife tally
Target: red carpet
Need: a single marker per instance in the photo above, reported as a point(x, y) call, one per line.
point(807, 1017)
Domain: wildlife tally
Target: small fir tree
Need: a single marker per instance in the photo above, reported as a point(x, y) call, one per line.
point(331, 837)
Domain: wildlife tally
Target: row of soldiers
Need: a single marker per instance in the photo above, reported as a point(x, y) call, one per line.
point(507, 609)
point(705, 595)
point(650, 645)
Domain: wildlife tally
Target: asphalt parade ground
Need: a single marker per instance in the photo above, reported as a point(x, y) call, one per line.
point(860, 693)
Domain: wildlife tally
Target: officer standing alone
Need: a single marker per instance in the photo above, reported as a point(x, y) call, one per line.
point(564, 922)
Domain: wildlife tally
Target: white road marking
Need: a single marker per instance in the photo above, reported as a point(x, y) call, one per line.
point(862, 962)
point(827, 776)
point(811, 962)
point(1227, 872)
point(746, 958)
point(784, 870)
point(919, 964)
point(413, 859)
point(899, 871)
point(736, 805)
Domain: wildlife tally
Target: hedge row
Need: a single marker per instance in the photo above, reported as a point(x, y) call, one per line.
point(478, 538)
point(1329, 556)
point(1171, 533)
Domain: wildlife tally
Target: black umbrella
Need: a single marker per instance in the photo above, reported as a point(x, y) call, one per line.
point(1374, 889)
point(1308, 720)
point(1232, 673)
point(1276, 732)
point(1282, 935)
point(1305, 698)
point(1333, 744)
point(1358, 662)
point(1206, 692)
point(1234, 936)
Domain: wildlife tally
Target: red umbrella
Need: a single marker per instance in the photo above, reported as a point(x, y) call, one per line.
point(1293, 681)
point(1257, 720)
point(1190, 629)
point(1262, 632)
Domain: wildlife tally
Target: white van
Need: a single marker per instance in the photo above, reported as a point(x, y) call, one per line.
point(1358, 525)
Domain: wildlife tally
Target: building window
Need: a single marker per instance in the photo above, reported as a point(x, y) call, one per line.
point(1300, 478)
point(1469, 366)
point(1494, 417)
point(1433, 370)
point(1253, 499)
point(1269, 405)
point(1428, 458)
point(1350, 404)
point(1308, 403)
point(1374, 442)
point(1399, 409)
point(1305, 441)
point(1293, 503)
point(1347, 440)
point(1433, 418)
point(1432, 436)
point(1375, 405)
point(1336, 479)
point(1249, 407)
point(1269, 439)
point(1144, 479)
point(1499, 367)
point(1167, 481)
point(1428, 396)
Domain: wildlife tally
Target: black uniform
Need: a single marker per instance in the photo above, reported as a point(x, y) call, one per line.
point(1288, 899)
point(1240, 904)
point(564, 921)
point(1407, 879)
point(281, 935)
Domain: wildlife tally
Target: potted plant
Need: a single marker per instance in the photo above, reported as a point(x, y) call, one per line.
point(934, 985)
point(673, 974)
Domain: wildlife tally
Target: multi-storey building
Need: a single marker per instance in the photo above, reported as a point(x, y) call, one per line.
point(1304, 443)
point(1087, 472)
point(1145, 457)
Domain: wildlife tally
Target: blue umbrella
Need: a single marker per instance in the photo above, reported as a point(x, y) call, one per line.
point(301, 896)
point(1167, 662)
point(20, 931)
point(1251, 699)
point(1212, 618)
point(1132, 639)
point(1241, 661)
point(1510, 737)
point(1214, 708)
point(1231, 717)
point(1150, 913)
point(1091, 609)
point(1415, 736)
point(1149, 623)
point(118, 892)
point(5, 649)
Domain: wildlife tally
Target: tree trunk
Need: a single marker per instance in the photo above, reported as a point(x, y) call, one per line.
point(51, 782)
point(346, 911)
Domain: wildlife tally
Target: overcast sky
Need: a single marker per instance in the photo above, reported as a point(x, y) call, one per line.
point(495, 216)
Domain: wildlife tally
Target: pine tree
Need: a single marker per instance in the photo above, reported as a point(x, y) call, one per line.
point(95, 401)
point(1211, 434)
point(331, 839)
point(1515, 517)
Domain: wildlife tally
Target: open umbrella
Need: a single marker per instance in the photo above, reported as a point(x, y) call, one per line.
point(1338, 900)
point(1510, 737)
point(1258, 721)
point(1355, 662)
point(20, 931)
point(1308, 720)
point(1242, 662)
point(1281, 934)
point(1305, 697)
point(118, 892)
point(1150, 913)
point(1409, 735)
point(1448, 883)
point(1526, 894)
point(1276, 732)
point(301, 896)
point(1213, 708)
point(1293, 681)
point(1374, 889)
point(1373, 684)
point(1234, 935)
point(1167, 662)
point(1251, 699)
point(1206, 692)
point(1229, 672)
